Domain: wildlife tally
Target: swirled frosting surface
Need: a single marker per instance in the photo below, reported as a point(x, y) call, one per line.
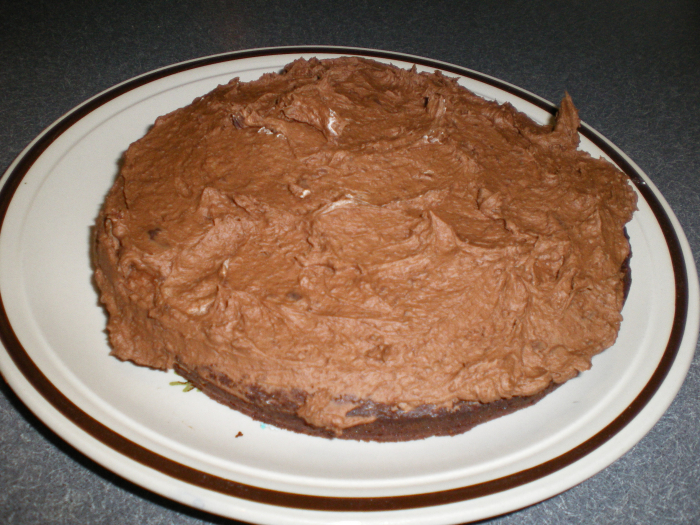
point(353, 231)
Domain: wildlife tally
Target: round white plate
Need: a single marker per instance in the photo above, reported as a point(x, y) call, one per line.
point(193, 450)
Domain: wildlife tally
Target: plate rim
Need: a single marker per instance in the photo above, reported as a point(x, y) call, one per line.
point(86, 423)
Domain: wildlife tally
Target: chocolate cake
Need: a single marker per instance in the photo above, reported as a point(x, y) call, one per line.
point(350, 249)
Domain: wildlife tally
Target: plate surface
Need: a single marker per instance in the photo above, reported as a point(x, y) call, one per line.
point(185, 446)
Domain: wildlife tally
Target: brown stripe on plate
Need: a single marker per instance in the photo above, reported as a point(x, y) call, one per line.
point(207, 481)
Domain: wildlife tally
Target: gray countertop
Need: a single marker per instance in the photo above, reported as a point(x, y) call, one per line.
point(632, 68)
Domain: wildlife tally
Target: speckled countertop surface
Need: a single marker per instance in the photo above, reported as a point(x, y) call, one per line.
point(633, 69)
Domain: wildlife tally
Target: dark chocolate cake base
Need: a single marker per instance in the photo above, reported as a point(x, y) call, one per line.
point(391, 425)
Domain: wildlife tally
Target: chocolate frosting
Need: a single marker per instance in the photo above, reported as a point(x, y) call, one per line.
point(348, 232)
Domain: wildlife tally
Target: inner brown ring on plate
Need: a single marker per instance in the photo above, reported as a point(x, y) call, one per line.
point(210, 482)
